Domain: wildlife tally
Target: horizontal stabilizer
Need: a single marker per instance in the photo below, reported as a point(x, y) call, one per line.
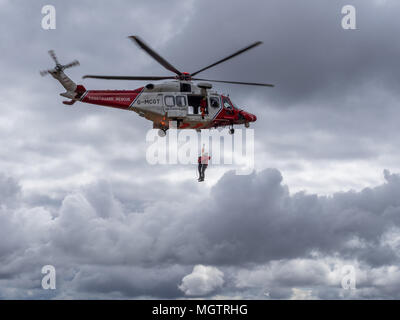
point(70, 102)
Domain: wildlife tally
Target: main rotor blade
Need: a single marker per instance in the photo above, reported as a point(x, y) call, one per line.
point(53, 55)
point(44, 72)
point(155, 55)
point(237, 82)
point(255, 44)
point(126, 77)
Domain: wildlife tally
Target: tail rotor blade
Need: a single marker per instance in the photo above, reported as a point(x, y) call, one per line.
point(44, 72)
point(53, 55)
point(71, 64)
point(59, 67)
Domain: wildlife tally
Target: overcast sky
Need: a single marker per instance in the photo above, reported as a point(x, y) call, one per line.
point(77, 192)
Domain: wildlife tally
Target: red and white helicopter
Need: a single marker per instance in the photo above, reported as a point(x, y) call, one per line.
point(180, 102)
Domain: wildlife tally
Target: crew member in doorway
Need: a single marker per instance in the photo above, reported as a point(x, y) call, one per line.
point(203, 106)
point(203, 164)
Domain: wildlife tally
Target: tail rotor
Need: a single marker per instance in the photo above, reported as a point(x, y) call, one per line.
point(59, 67)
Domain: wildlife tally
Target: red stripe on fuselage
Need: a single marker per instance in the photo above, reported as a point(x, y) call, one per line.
point(121, 99)
point(198, 125)
point(184, 125)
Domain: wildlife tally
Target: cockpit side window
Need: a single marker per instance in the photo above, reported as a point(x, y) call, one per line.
point(180, 101)
point(169, 101)
point(214, 102)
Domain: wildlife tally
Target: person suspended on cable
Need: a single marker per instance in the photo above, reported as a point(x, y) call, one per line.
point(203, 163)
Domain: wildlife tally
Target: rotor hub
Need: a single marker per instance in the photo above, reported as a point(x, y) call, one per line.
point(184, 76)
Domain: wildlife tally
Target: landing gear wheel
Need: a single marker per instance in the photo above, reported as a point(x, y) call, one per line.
point(162, 133)
point(231, 131)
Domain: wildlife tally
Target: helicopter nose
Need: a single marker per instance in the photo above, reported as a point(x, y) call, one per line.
point(249, 117)
point(252, 117)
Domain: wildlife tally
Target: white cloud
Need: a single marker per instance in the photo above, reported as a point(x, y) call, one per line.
point(202, 281)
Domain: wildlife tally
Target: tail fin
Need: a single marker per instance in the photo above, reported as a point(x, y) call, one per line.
point(65, 81)
point(73, 90)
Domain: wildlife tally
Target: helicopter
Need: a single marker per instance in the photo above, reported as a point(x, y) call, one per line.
point(178, 103)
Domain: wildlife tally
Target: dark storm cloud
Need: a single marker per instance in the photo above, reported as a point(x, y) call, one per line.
point(246, 220)
point(131, 282)
point(259, 213)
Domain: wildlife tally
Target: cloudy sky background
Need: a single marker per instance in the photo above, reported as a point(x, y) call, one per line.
point(76, 190)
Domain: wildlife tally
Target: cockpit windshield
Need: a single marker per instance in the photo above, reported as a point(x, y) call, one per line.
point(235, 106)
point(227, 103)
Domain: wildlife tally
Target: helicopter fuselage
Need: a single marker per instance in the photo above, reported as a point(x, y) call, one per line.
point(178, 103)
point(190, 106)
